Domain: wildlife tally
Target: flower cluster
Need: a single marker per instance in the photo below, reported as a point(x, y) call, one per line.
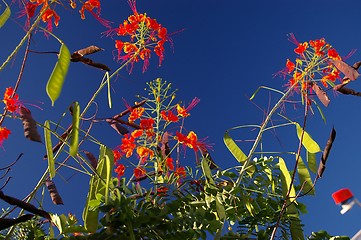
point(150, 140)
point(11, 100)
point(313, 64)
point(146, 36)
point(49, 15)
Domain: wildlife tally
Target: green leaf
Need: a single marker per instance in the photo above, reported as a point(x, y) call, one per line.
point(49, 149)
point(75, 130)
point(286, 179)
point(59, 221)
point(312, 162)
point(220, 210)
point(234, 149)
point(296, 228)
point(99, 185)
point(5, 15)
point(57, 77)
point(207, 171)
point(307, 141)
point(304, 177)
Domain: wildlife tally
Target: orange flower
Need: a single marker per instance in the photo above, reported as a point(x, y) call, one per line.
point(180, 172)
point(139, 172)
point(318, 45)
point(301, 48)
point(11, 100)
point(120, 170)
point(47, 16)
point(117, 155)
point(137, 133)
point(332, 53)
point(135, 114)
point(169, 163)
point(4, 134)
point(90, 5)
point(290, 66)
point(169, 116)
point(190, 140)
point(144, 153)
point(128, 145)
point(183, 111)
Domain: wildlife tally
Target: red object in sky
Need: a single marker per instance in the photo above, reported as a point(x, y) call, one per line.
point(342, 195)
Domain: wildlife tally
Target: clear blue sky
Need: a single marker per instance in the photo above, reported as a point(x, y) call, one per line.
point(228, 49)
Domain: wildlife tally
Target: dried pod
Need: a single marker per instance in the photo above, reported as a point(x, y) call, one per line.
point(93, 161)
point(350, 72)
point(117, 127)
point(54, 194)
point(321, 94)
point(78, 56)
point(326, 152)
point(30, 128)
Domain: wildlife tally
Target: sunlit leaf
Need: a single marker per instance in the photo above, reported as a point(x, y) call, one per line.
point(59, 221)
point(305, 177)
point(234, 149)
point(75, 130)
point(286, 179)
point(307, 141)
point(5, 15)
point(49, 150)
point(312, 163)
point(207, 171)
point(109, 95)
point(220, 209)
point(57, 77)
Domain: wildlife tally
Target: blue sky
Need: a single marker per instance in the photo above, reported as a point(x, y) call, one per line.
point(226, 50)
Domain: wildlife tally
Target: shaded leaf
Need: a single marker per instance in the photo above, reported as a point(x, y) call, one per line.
point(321, 94)
point(307, 141)
point(93, 161)
point(30, 128)
point(305, 177)
point(234, 149)
point(117, 126)
point(57, 77)
point(49, 150)
point(220, 210)
point(54, 194)
point(326, 152)
point(206, 155)
point(312, 163)
point(75, 130)
point(207, 172)
point(350, 72)
point(5, 15)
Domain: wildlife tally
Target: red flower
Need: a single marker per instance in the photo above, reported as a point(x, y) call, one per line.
point(318, 45)
point(11, 100)
point(117, 155)
point(332, 53)
point(139, 172)
point(184, 112)
point(144, 153)
point(4, 134)
point(47, 16)
point(128, 145)
point(90, 5)
point(169, 116)
point(169, 163)
point(120, 170)
point(135, 114)
point(290, 66)
point(180, 172)
point(191, 140)
point(301, 48)
point(147, 123)
point(161, 191)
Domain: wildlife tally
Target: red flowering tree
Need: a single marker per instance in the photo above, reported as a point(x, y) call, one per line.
point(142, 188)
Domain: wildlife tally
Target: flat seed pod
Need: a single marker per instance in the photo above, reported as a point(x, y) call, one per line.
point(30, 128)
point(326, 152)
point(54, 194)
point(88, 50)
point(117, 127)
point(350, 72)
point(321, 94)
